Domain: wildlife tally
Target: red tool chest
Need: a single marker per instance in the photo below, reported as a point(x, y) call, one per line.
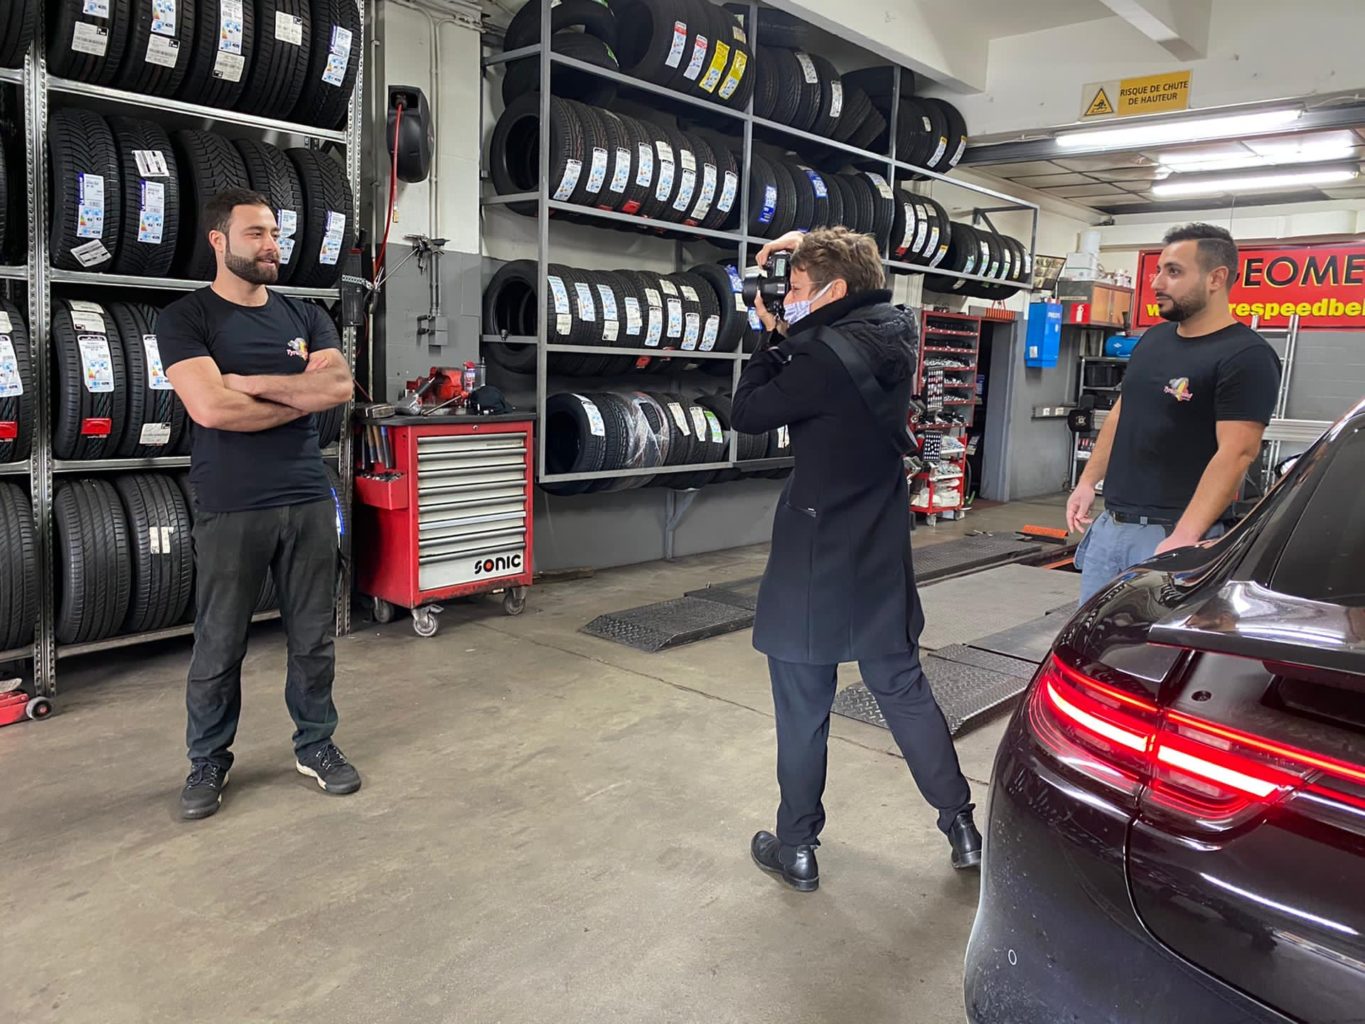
point(450, 518)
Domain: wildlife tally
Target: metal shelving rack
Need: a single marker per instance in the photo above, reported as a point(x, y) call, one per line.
point(38, 88)
point(896, 171)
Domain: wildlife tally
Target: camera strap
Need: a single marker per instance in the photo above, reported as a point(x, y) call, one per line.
point(879, 402)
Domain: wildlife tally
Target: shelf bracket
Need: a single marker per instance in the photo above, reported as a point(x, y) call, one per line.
point(676, 506)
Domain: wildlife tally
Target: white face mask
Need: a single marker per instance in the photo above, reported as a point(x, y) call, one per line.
point(794, 311)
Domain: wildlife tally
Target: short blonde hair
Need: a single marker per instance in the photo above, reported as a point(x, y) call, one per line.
point(827, 253)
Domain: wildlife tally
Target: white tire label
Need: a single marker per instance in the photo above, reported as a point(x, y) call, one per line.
point(6, 327)
point(229, 66)
point(87, 317)
point(710, 333)
point(10, 384)
point(675, 52)
point(587, 309)
point(151, 163)
point(595, 421)
point(96, 8)
point(155, 435)
point(288, 28)
point(151, 220)
point(690, 294)
point(668, 286)
point(611, 318)
point(330, 252)
point(665, 183)
point(90, 214)
point(92, 253)
point(921, 226)
point(163, 17)
point(597, 175)
point(86, 38)
point(836, 103)
point(698, 59)
point(708, 192)
point(680, 417)
point(881, 184)
point(656, 318)
point(230, 27)
point(807, 68)
point(97, 367)
point(698, 422)
point(162, 51)
point(621, 174)
point(675, 318)
point(634, 321)
point(728, 191)
point(644, 169)
point(572, 169)
point(156, 374)
point(338, 56)
point(692, 333)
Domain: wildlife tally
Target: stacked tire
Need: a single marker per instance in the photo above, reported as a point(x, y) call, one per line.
point(18, 567)
point(128, 197)
point(931, 133)
point(584, 30)
point(289, 59)
point(786, 193)
point(18, 398)
point(693, 311)
point(614, 431)
point(112, 398)
point(689, 46)
point(972, 250)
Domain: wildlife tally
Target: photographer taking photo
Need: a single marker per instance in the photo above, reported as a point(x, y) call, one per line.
point(837, 368)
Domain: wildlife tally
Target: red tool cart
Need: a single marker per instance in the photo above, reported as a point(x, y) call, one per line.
point(444, 512)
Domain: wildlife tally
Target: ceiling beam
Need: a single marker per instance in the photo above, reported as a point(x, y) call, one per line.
point(905, 33)
point(1181, 26)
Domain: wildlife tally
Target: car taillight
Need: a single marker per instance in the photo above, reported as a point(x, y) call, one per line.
point(1198, 772)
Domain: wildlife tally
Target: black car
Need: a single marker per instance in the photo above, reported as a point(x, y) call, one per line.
point(1177, 821)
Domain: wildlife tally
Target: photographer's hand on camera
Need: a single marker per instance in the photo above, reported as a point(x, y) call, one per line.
point(771, 323)
point(787, 243)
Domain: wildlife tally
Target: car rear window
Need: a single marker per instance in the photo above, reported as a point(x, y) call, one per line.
point(1324, 559)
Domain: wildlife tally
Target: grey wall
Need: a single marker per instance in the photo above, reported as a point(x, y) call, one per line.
point(1328, 376)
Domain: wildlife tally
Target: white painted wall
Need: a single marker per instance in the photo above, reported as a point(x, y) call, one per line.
point(1259, 51)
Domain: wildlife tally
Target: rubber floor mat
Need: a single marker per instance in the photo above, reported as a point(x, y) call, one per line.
point(683, 620)
point(934, 561)
point(1030, 640)
point(966, 693)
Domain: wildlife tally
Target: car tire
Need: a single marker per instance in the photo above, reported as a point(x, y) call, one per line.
point(592, 17)
point(162, 550)
point(279, 69)
point(217, 73)
point(147, 405)
point(328, 83)
point(208, 165)
point(273, 175)
point(511, 308)
point(95, 559)
point(87, 47)
point(74, 435)
point(18, 568)
point(655, 38)
point(512, 150)
point(575, 441)
point(19, 409)
point(321, 247)
point(155, 63)
point(81, 149)
point(150, 224)
point(18, 25)
point(523, 76)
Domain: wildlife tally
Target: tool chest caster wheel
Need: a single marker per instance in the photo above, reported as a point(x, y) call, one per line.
point(424, 622)
point(38, 707)
point(514, 601)
point(383, 611)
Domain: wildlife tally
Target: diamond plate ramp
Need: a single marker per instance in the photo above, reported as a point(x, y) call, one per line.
point(960, 610)
point(934, 561)
point(1008, 666)
point(738, 594)
point(1030, 640)
point(966, 693)
point(683, 620)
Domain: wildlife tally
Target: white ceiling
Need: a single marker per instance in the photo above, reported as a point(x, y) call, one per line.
point(995, 19)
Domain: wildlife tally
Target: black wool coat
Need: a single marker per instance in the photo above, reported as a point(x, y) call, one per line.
point(840, 584)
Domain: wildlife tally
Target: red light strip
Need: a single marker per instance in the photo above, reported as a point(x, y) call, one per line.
point(1138, 742)
point(1331, 765)
point(1078, 679)
point(1206, 769)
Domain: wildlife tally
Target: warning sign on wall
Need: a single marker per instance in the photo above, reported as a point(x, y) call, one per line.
point(1133, 97)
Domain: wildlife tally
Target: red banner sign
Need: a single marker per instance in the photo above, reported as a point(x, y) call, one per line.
point(1323, 284)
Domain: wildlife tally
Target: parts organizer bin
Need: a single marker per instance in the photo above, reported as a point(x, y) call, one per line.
point(450, 518)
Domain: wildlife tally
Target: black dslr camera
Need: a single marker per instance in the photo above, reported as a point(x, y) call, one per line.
point(771, 282)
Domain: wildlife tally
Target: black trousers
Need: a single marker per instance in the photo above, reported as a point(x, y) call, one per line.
point(232, 552)
point(802, 696)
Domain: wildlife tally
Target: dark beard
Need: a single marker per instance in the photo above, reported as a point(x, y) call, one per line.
point(1182, 311)
point(250, 270)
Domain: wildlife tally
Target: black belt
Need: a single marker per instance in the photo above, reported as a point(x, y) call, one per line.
point(1128, 519)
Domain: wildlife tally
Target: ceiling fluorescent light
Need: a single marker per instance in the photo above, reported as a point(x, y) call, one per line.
point(1176, 131)
point(1304, 153)
point(1253, 182)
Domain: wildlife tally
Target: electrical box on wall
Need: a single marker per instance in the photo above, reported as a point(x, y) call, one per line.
point(1043, 343)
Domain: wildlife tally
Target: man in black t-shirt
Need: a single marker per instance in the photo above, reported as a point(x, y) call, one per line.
point(1197, 396)
point(253, 367)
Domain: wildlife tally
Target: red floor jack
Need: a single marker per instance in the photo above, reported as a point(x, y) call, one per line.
point(16, 705)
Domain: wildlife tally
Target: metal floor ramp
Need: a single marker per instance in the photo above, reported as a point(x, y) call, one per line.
point(683, 620)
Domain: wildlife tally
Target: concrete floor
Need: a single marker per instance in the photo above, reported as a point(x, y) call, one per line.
point(552, 827)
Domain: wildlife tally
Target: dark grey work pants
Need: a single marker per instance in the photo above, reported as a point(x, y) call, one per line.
point(802, 696)
point(232, 551)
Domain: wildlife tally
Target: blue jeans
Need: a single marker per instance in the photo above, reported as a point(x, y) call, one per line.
point(1110, 547)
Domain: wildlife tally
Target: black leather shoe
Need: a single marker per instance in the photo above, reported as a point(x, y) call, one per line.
point(966, 842)
point(795, 864)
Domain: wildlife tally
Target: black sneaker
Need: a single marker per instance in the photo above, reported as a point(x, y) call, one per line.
point(329, 766)
point(203, 792)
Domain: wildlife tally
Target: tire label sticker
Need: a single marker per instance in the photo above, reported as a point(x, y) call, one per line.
point(88, 39)
point(818, 183)
point(698, 59)
point(680, 417)
point(162, 51)
point(87, 317)
point(784, 437)
point(739, 35)
point(710, 333)
point(908, 213)
point(769, 204)
point(286, 249)
point(156, 374)
point(6, 327)
point(338, 56)
point(698, 421)
point(690, 294)
point(288, 28)
point(92, 253)
point(644, 169)
point(921, 226)
point(151, 163)
point(163, 17)
point(961, 148)
point(288, 221)
point(708, 192)
point(331, 240)
point(928, 124)
point(717, 435)
point(736, 74)
point(598, 174)
point(96, 8)
point(727, 193)
point(587, 309)
point(561, 296)
point(572, 169)
point(692, 333)
point(836, 102)
point(668, 286)
point(665, 184)
point(152, 216)
point(737, 286)
point(939, 150)
point(808, 68)
point(611, 318)
point(229, 66)
point(634, 322)
point(96, 363)
point(230, 27)
point(942, 252)
point(656, 318)
point(10, 384)
point(755, 324)
point(155, 435)
point(620, 177)
point(675, 52)
point(90, 214)
point(881, 184)
point(595, 422)
point(688, 159)
point(675, 318)
point(717, 67)
point(933, 241)
point(688, 186)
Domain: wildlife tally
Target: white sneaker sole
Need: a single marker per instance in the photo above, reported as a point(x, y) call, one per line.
point(322, 784)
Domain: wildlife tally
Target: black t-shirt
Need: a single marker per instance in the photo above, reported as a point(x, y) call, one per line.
point(1174, 393)
point(231, 470)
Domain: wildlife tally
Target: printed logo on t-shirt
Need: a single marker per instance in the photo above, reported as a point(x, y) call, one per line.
point(1179, 387)
point(298, 347)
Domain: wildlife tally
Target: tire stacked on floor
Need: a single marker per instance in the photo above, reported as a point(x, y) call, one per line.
point(288, 59)
point(973, 250)
point(612, 431)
